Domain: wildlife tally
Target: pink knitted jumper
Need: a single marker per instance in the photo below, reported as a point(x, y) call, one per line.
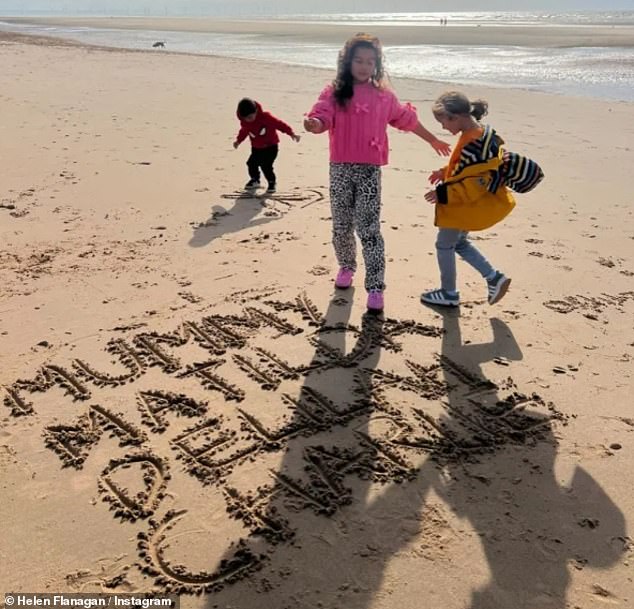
point(358, 131)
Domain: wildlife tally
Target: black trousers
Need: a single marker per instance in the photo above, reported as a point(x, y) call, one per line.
point(262, 158)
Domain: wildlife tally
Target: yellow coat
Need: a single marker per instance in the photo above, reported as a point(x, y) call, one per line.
point(465, 201)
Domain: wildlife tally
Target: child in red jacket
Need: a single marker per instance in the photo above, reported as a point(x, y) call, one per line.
point(262, 128)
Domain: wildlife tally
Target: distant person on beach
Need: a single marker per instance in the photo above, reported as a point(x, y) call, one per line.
point(471, 194)
point(261, 127)
point(356, 110)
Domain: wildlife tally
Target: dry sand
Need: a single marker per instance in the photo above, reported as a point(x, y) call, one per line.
point(182, 385)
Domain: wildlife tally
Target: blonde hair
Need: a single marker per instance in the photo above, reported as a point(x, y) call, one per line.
point(454, 103)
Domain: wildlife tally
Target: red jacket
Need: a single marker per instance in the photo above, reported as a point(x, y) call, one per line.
point(263, 130)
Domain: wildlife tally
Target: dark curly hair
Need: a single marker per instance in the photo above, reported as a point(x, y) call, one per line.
point(246, 106)
point(343, 89)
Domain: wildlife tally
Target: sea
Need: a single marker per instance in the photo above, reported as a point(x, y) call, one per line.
point(597, 72)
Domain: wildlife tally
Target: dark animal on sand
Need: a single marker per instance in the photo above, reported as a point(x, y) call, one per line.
point(158, 44)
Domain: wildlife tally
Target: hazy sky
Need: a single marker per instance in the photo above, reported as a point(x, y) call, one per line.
point(245, 7)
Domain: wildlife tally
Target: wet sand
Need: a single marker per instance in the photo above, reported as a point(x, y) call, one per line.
point(538, 36)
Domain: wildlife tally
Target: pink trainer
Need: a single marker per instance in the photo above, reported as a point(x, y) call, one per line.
point(375, 301)
point(344, 278)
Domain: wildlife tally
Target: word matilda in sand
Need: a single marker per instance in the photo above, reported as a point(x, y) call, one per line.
point(219, 397)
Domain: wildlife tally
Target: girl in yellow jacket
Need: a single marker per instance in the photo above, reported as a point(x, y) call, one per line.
point(470, 194)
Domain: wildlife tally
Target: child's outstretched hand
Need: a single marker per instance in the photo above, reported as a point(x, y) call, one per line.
point(296, 138)
point(431, 197)
point(437, 176)
point(442, 148)
point(236, 144)
point(312, 125)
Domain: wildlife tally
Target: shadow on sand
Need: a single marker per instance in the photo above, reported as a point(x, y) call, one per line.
point(247, 212)
point(369, 448)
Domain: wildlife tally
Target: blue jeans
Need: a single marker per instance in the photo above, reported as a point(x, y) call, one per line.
point(449, 242)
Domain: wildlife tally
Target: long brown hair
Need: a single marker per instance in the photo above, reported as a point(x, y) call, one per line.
point(343, 83)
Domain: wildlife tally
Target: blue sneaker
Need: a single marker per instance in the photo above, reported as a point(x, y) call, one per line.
point(441, 298)
point(497, 287)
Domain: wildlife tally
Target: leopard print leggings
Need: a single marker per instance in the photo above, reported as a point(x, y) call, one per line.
point(355, 202)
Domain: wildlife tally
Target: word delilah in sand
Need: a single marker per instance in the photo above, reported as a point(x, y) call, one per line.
point(277, 379)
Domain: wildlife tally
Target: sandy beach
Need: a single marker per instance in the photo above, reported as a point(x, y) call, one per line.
point(188, 406)
point(538, 36)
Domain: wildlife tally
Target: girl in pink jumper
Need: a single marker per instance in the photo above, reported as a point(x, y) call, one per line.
point(356, 110)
